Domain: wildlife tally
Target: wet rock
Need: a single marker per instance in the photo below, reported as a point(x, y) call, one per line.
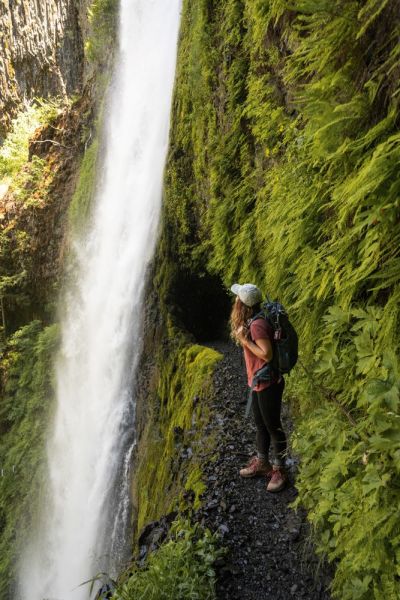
point(178, 435)
point(189, 496)
point(154, 534)
point(223, 529)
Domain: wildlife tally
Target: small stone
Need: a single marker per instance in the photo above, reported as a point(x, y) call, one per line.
point(293, 589)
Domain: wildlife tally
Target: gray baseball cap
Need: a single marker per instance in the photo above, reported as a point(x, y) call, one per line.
point(248, 293)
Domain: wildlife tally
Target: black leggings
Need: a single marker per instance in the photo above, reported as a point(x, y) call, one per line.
point(267, 415)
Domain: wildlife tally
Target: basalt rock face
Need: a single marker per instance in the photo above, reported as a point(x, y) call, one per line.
point(41, 51)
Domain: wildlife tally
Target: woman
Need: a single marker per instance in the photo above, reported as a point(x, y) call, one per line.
point(256, 335)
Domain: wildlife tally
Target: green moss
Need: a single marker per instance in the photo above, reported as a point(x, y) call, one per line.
point(177, 423)
point(195, 483)
point(80, 204)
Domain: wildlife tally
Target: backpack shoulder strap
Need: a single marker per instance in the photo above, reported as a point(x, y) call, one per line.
point(260, 315)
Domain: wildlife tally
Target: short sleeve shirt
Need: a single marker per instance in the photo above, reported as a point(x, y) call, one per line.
point(259, 330)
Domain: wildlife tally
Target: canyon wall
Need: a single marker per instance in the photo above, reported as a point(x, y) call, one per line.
point(41, 51)
point(282, 170)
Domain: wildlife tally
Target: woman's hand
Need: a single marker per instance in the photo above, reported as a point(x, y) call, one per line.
point(262, 348)
point(242, 335)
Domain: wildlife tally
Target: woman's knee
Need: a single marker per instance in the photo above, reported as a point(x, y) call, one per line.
point(278, 435)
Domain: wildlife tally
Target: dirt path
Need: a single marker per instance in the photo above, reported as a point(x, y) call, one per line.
point(270, 556)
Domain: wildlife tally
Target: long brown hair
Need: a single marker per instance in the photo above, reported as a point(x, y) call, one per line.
point(240, 316)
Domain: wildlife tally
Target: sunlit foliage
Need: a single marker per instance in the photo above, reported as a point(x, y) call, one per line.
point(284, 170)
point(182, 568)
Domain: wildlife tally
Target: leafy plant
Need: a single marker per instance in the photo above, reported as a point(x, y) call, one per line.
point(15, 149)
point(181, 568)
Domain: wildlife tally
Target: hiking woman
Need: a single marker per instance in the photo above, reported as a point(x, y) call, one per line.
point(255, 336)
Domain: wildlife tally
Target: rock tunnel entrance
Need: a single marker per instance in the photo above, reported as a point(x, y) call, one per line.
point(202, 304)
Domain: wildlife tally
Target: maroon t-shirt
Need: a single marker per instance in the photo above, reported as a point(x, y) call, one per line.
point(260, 329)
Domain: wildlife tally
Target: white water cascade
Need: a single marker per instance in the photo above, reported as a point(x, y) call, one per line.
point(86, 505)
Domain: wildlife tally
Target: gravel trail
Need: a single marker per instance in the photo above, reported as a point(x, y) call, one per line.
point(270, 554)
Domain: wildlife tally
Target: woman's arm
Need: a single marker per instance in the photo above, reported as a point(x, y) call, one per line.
point(262, 348)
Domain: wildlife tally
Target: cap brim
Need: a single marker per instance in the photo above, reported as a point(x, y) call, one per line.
point(236, 288)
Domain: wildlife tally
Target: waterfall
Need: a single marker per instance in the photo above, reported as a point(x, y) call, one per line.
point(85, 509)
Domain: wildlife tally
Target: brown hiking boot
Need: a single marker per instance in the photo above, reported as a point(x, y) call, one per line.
point(257, 467)
point(278, 480)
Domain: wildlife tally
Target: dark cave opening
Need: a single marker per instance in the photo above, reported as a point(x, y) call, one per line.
point(202, 304)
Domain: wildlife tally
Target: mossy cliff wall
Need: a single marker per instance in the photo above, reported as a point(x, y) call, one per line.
point(47, 179)
point(283, 170)
point(174, 391)
point(174, 439)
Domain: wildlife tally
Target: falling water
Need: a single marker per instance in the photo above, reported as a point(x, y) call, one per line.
point(82, 526)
